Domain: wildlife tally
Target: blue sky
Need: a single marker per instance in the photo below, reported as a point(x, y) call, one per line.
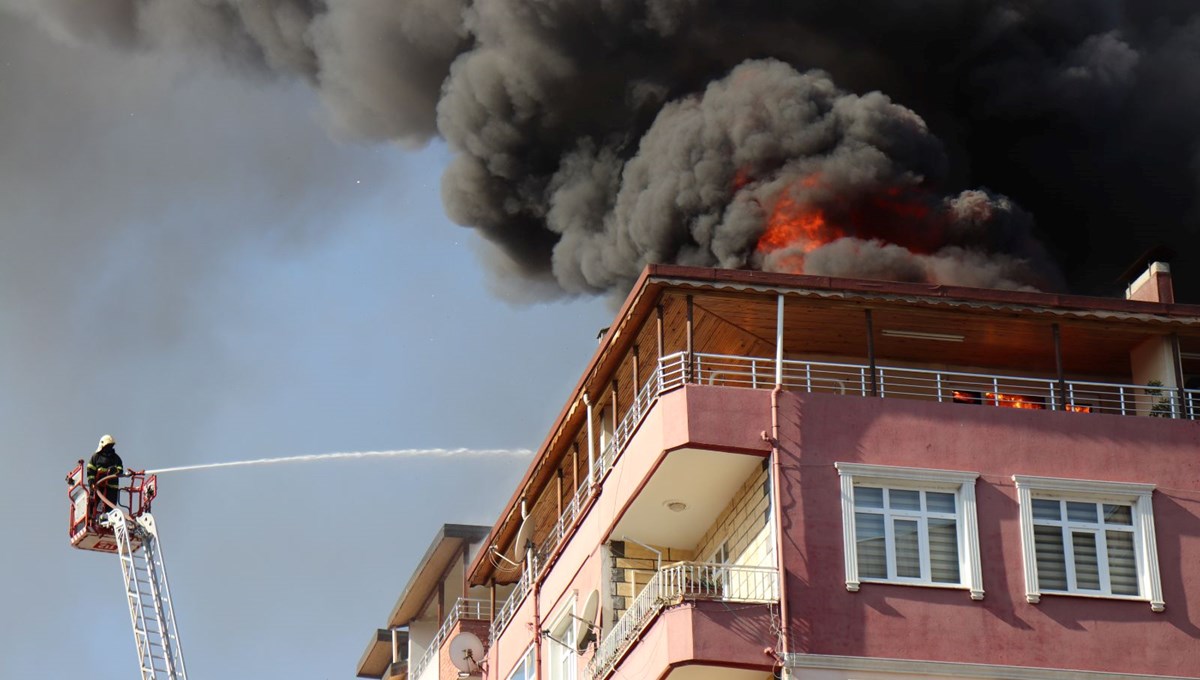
point(191, 262)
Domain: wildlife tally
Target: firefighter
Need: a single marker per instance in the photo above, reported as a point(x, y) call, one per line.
point(105, 463)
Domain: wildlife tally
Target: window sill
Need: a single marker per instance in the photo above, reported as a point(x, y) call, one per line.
point(1035, 598)
point(975, 594)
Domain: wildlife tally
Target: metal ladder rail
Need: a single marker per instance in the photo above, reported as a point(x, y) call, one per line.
point(169, 634)
point(149, 599)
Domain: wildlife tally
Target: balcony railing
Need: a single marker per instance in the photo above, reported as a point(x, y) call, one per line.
point(676, 583)
point(1035, 393)
point(621, 435)
point(464, 608)
point(505, 613)
point(673, 371)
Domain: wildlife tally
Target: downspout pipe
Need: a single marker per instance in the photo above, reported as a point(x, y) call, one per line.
point(537, 630)
point(776, 491)
point(587, 402)
point(777, 518)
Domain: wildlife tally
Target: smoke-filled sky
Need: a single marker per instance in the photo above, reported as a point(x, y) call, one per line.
point(228, 232)
point(188, 262)
point(980, 142)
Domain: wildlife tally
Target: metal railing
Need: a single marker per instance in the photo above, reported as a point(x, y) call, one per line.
point(464, 608)
point(674, 584)
point(642, 403)
point(629, 423)
point(1025, 392)
point(506, 611)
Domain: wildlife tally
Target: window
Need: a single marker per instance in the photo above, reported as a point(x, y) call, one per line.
point(561, 649)
point(1088, 538)
point(524, 669)
point(910, 526)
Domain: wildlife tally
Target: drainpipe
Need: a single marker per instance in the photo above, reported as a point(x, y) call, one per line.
point(779, 341)
point(691, 350)
point(591, 445)
point(1058, 367)
point(777, 518)
point(776, 508)
point(871, 353)
point(537, 630)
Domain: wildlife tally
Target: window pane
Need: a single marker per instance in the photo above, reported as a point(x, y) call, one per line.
point(1118, 514)
point(1081, 512)
point(1051, 561)
point(943, 550)
point(908, 553)
point(1122, 565)
point(904, 499)
point(872, 556)
point(868, 497)
point(1047, 509)
point(939, 502)
point(1087, 568)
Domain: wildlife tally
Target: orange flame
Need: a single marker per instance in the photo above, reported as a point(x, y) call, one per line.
point(1013, 401)
point(795, 223)
point(904, 215)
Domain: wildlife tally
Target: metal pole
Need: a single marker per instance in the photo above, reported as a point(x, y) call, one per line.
point(559, 481)
point(574, 467)
point(690, 349)
point(591, 447)
point(779, 340)
point(637, 378)
point(1177, 356)
point(871, 352)
point(615, 417)
point(659, 330)
point(1058, 365)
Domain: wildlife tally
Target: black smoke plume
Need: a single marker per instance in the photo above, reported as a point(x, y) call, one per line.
point(982, 142)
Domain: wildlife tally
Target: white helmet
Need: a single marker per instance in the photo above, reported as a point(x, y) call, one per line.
point(106, 440)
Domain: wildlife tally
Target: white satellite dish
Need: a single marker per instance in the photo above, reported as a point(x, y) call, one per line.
point(521, 542)
point(466, 652)
point(585, 623)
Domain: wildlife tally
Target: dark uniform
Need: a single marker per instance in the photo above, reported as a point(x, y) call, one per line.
point(105, 463)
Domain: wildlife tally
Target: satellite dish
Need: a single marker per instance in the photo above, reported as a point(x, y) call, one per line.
point(585, 623)
point(466, 652)
point(524, 536)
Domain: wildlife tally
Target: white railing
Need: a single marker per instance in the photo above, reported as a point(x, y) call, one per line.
point(1035, 393)
point(629, 423)
point(676, 583)
point(464, 608)
point(506, 611)
point(621, 435)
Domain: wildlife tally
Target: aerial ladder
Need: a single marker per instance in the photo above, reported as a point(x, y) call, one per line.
point(127, 529)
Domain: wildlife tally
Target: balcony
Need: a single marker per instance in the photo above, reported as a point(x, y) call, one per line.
point(464, 609)
point(1027, 392)
point(988, 389)
point(672, 585)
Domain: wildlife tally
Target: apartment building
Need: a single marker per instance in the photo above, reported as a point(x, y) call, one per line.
point(763, 475)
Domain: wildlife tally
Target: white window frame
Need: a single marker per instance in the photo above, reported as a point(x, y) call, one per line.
point(524, 666)
point(1125, 493)
point(562, 662)
point(962, 484)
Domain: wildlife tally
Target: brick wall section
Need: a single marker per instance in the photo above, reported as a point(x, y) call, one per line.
point(632, 567)
point(744, 523)
point(446, 669)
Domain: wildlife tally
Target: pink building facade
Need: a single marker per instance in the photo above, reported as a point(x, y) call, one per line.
point(767, 476)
